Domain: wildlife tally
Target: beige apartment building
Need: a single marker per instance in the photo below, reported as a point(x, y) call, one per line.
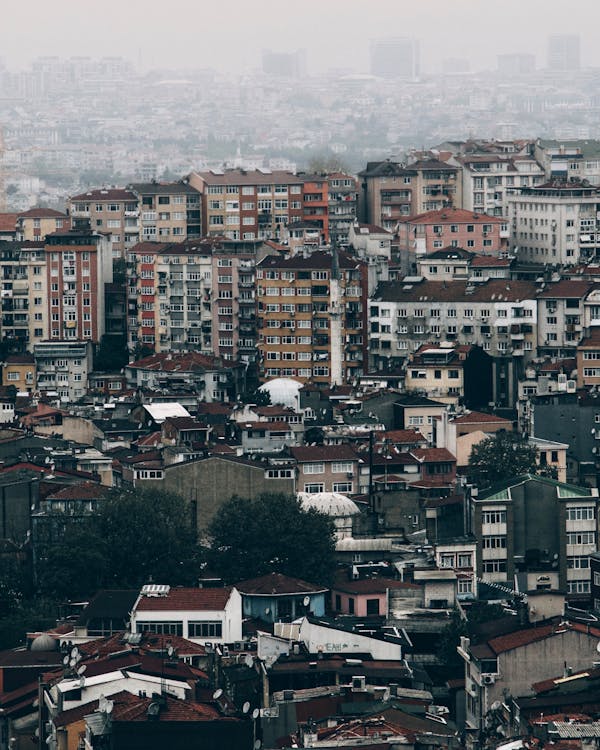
point(113, 211)
point(248, 205)
point(36, 223)
point(169, 211)
point(312, 317)
point(194, 295)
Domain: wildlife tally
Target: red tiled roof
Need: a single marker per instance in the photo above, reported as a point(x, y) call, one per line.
point(478, 417)
point(531, 635)
point(8, 222)
point(401, 436)
point(84, 491)
point(453, 216)
point(567, 288)
point(106, 194)
point(277, 584)
point(42, 213)
point(489, 261)
point(181, 599)
point(268, 426)
point(324, 453)
point(433, 454)
point(177, 362)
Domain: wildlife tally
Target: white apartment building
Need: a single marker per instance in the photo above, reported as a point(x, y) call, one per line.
point(561, 316)
point(499, 315)
point(556, 222)
point(63, 367)
point(488, 178)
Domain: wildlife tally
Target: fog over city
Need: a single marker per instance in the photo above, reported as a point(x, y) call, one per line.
point(230, 36)
point(146, 90)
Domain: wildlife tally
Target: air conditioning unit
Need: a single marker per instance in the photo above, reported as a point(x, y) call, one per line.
point(359, 683)
point(488, 679)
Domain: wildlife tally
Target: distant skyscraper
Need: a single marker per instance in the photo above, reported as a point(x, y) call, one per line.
point(395, 57)
point(516, 64)
point(564, 52)
point(284, 64)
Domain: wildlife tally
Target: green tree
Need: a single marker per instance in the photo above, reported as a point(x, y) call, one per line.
point(112, 353)
point(137, 536)
point(502, 456)
point(271, 533)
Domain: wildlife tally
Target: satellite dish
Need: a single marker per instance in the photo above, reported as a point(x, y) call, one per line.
point(217, 694)
point(267, 611)
point(170, 651)
point(306, 601)
point(109, 707)
point(255, 713)
point(66, 660)
point(72, 662)
point(598, 647)
point(246, 707)
point(82, 669)
point(257, 745)
point(74, 652)
point(248, 661)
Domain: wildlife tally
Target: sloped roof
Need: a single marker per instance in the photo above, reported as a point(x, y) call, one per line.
point(277, 584)
point(324, 453)
point(185, 599)
point(478, 417)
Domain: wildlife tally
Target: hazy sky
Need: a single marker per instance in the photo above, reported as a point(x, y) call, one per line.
point(229, 34)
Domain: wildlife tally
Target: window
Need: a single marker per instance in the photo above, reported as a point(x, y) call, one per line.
point(372, 607)
point(493, 516)
point(578, 563)
point(314, 468)
point(581, 537)
point(465, 586)
point(174, 627)
point(314, 487)
point(578, 587)
point(493, 542)
point(583, 513)
point(464, 560)
point(341, 467)
point(494, 566)
point(207, 629)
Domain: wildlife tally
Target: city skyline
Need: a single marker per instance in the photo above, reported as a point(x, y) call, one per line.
point(193, 36)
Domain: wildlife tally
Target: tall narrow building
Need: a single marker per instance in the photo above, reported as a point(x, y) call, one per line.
point(312, 317)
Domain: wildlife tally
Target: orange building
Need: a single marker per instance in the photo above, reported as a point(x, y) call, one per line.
point(315, 202)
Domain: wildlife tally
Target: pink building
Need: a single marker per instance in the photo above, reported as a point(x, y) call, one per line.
point(452, 227)
point(367, 596)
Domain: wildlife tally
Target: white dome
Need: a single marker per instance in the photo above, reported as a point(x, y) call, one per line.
point(331, 503)
point(283, 391)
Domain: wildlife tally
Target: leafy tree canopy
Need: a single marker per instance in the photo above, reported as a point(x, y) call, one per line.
point(137, 536)
point(502, 456)
point(271, 533)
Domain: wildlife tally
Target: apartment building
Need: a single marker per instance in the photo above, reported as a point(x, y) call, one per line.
point(450, 373)
point(197, 295)
point(312, 317)
point(588, 360)
point(561, 316)
point(487, 178)
point(537, 527)
point(452, 227)
point(36, 223)
point(169, 211)
point(555, 222)
point(315, 202)
point(19, 370)
point(63, 368)
point(249, 205)
point(78, 267)
point(391, 192)
point(569, 159)
point(113, 211)
point(498, 315)
point(24, 293)
point(342, 205)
